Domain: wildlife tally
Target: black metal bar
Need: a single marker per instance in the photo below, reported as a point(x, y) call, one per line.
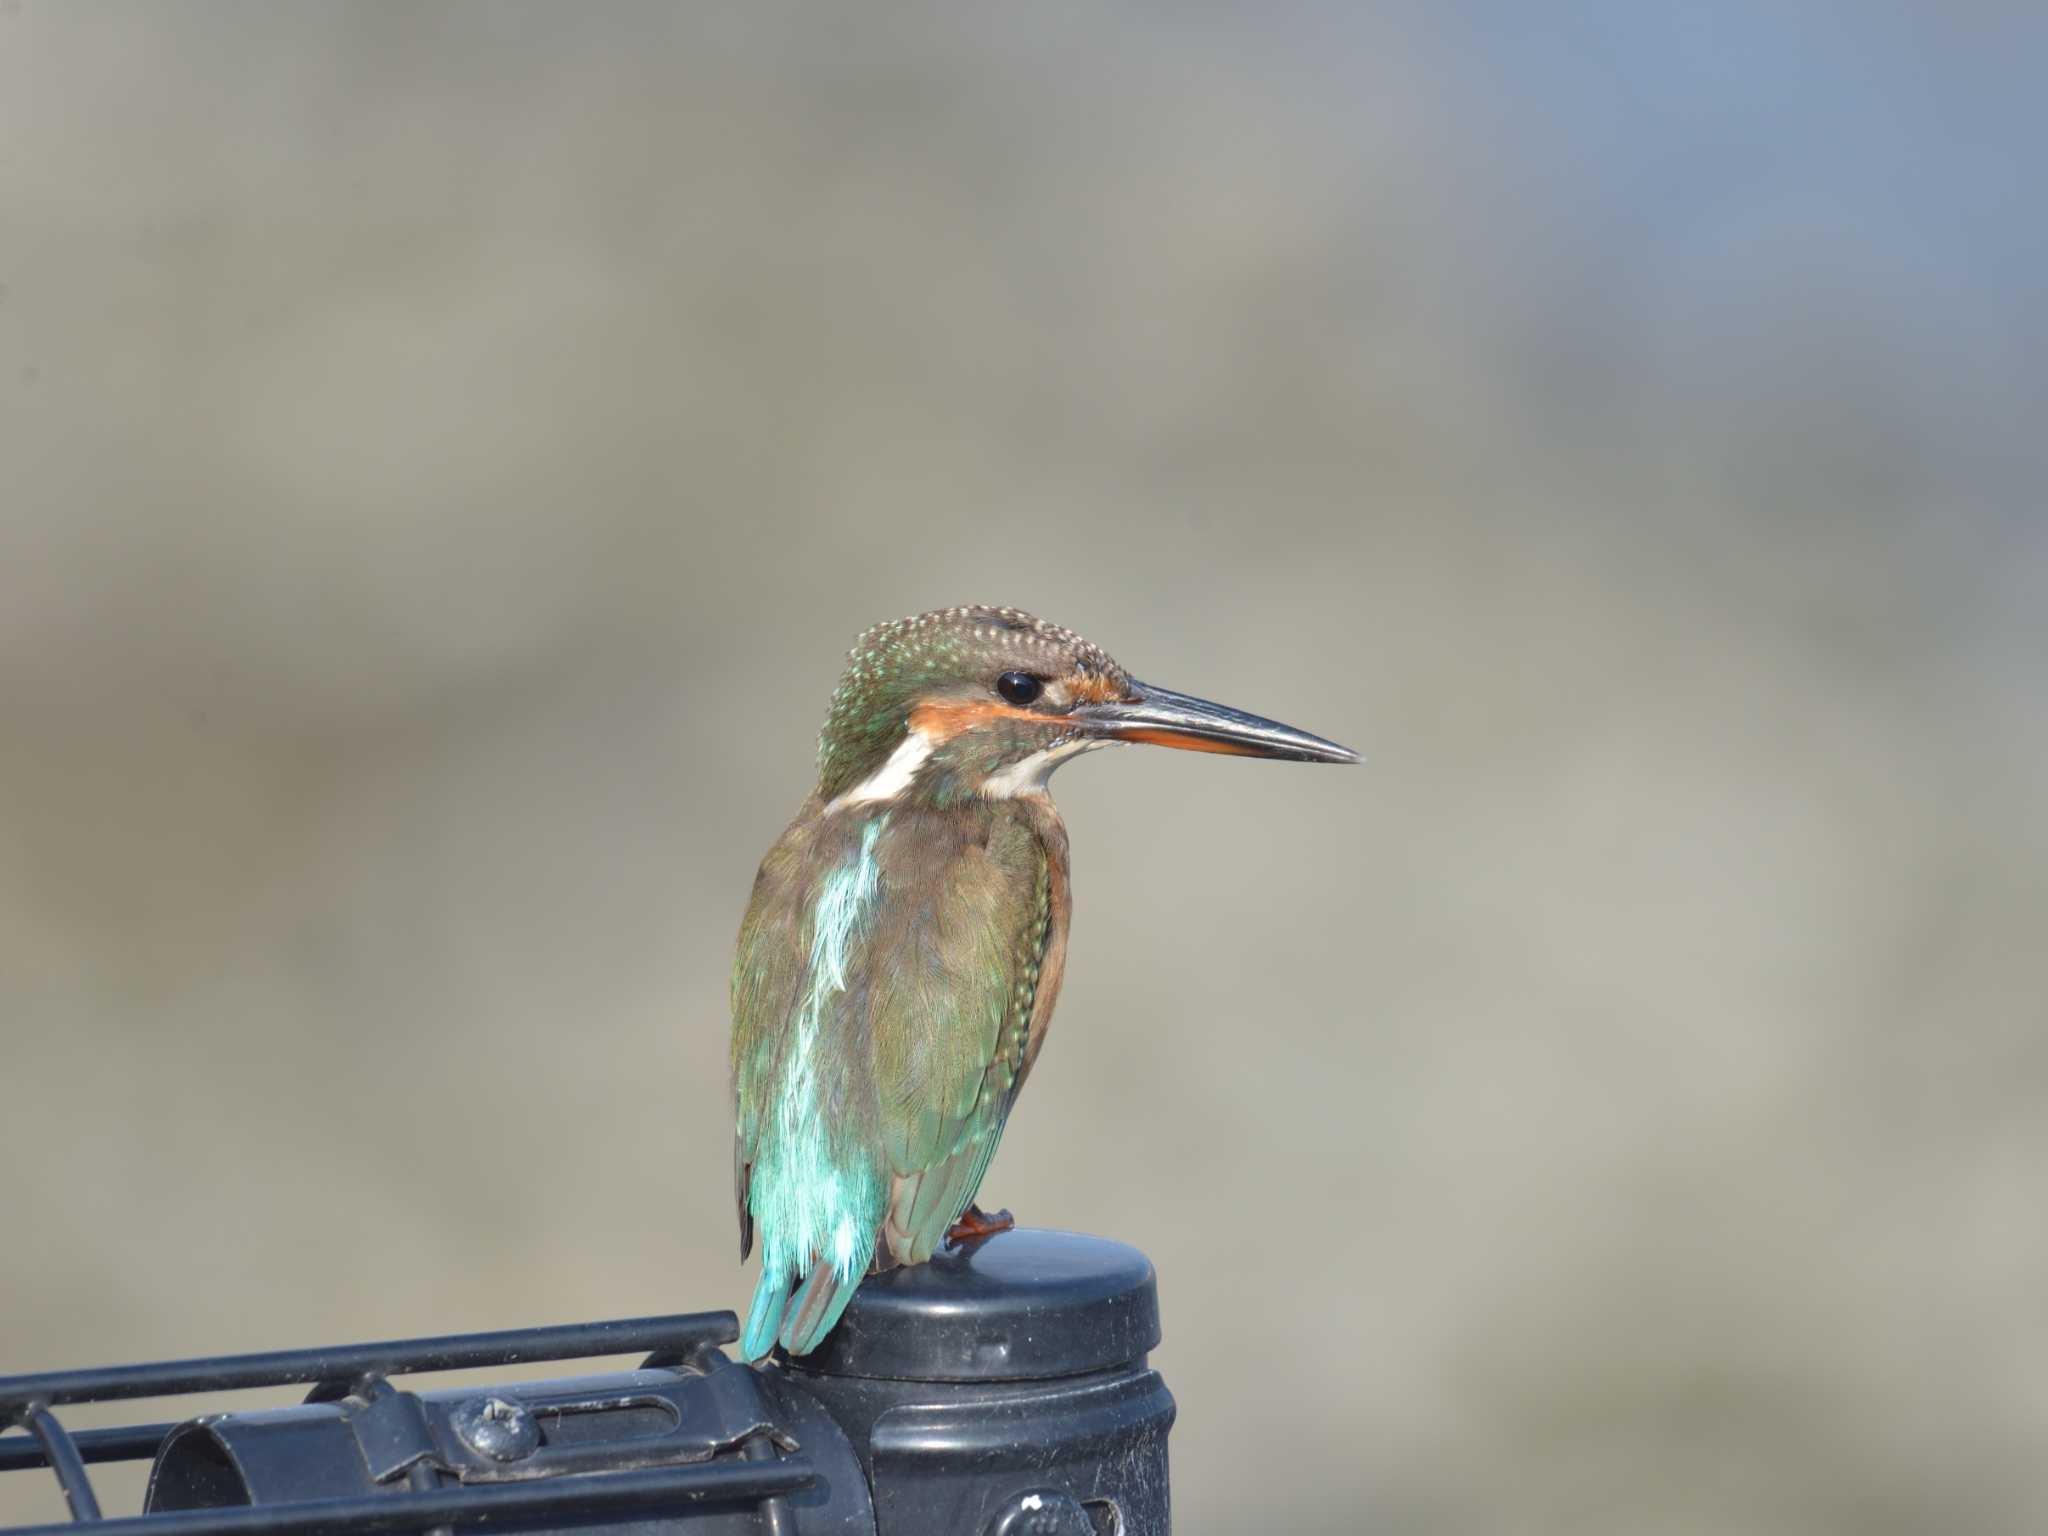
point(55, 1440)
point(579, 1500)
point(131, 1442)
point(420, 1477)
point(396, 1357)
point(777, 1518)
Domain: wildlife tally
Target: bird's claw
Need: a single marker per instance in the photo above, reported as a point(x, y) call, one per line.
point(975, 1225)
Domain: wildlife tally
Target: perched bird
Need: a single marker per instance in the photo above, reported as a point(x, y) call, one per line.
point(902, 952)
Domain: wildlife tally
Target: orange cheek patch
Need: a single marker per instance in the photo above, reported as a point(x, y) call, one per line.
point(942, 720)
point(1164, 738)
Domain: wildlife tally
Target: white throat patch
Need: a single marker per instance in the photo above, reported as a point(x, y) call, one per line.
point(1027, 775)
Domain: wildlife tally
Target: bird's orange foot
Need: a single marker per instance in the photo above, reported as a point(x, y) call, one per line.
point(975, 1224)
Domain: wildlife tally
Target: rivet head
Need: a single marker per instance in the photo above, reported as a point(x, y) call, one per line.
point(496, 1427)
point(1049, 1512)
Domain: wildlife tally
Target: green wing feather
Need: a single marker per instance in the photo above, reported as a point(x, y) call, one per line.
point(767, 974)
point(886, 974)
point(949, 1076)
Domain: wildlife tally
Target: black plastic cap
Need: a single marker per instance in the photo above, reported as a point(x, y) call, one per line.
point(1022, 1305)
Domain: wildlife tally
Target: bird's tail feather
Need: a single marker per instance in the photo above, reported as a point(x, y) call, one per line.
point(799, 1322)
point(816, 1307)
point(764, 1314)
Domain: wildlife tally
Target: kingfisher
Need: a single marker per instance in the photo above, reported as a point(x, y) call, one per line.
point(902, 952)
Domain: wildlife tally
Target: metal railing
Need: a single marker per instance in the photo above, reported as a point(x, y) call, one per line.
point(1001, 1388)
point(362, 1372)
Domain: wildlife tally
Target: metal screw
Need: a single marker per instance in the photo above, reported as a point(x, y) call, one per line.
point(496, 1427)
point(1046, 1512)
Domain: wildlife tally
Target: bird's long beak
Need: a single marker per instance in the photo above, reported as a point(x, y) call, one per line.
point(1169, 719)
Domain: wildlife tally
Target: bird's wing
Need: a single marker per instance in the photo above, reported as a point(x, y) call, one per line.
point(884, 993)
point(769, 973)
point(951, 1028)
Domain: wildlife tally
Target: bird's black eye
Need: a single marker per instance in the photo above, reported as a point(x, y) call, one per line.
point(1019, 687)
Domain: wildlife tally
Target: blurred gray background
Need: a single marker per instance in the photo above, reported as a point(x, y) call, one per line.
point(447, 450)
